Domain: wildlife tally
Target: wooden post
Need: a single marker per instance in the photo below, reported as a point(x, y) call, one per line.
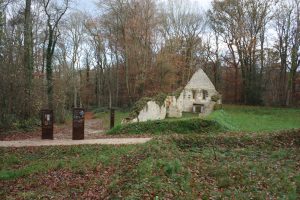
point(112, 118)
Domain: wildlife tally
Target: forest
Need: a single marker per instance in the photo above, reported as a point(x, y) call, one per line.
point(53, 55)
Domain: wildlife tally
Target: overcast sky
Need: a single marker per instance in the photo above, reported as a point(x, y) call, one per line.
point(89, 6)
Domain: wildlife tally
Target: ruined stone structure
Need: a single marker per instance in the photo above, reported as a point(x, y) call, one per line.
point(152, 111)
point(198, 96)
point(198, 93)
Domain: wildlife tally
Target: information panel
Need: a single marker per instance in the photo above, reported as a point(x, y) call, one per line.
point(78, 124)
point(47, 124)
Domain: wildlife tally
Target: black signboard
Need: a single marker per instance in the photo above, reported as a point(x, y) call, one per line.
point(78, 124)
point(47, 124)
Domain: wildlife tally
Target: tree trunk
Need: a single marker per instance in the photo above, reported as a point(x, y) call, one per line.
point(294, 58)
point(2, 24)
point(49, 69)
point(28, 58)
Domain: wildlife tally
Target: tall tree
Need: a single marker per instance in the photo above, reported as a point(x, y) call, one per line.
point(244, 21)
point(54, 12)
point(3, 5)
point(28, 57)
point(182, 25)
point(295, 53)
point(75, 36)
point(282, 24)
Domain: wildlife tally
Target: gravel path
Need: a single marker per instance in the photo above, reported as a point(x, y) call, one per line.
point(93, 129)
point(68, 142)
point(94, 133)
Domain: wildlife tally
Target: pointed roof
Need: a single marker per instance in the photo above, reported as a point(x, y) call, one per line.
point(200, 81)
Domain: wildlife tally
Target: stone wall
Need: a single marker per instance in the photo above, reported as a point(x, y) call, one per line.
point(152, 111)
point(192, 96)
point(174, 106)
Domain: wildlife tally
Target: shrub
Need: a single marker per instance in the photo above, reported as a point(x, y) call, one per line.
point(138, 106)
point(195, 125)
point(27, 125)
point(215, 97)
point(6, 121)
point(160, 99)
point(218, 106)
point(100, 110)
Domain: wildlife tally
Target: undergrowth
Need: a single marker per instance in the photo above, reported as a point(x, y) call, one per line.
point(192, 125)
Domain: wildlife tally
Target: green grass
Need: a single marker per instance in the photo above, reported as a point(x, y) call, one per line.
point(183, 126)
point(257, 119)
point(232, 118)
point(120, 115)
point(190, 166)
point(253, 160)
point(15, 165)
point(105, 117)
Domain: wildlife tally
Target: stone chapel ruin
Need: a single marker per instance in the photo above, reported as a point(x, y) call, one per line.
point(198, 96)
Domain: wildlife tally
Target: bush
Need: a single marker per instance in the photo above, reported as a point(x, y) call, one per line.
point(7, 121)
point(11, 122)
point(100, 110)
point(218, 106)
point(160, 99)
point(195, 125)
point(138, 106)
point(27, 125)
point(215, 97)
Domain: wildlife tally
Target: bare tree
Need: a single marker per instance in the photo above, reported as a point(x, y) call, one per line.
point(295, 53)
point(54, 12)
point(241, 23)
point(282, 20)
point(75, 36)
point(182, 26)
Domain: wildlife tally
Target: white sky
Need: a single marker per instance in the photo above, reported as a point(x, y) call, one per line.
point(89, 6)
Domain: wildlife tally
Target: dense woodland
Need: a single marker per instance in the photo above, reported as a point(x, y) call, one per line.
point(54, 56)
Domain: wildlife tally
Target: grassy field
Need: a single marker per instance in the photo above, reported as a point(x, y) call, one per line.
point(230, 118)
point(256, 161)
point(257, 119)
point(105, 117)
point(237, 118)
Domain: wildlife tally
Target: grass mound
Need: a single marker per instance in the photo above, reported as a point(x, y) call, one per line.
point(193, 125)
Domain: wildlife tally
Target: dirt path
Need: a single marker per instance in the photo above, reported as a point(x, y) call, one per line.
point(93, 130)
point(38, 143)
point(94, 133)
